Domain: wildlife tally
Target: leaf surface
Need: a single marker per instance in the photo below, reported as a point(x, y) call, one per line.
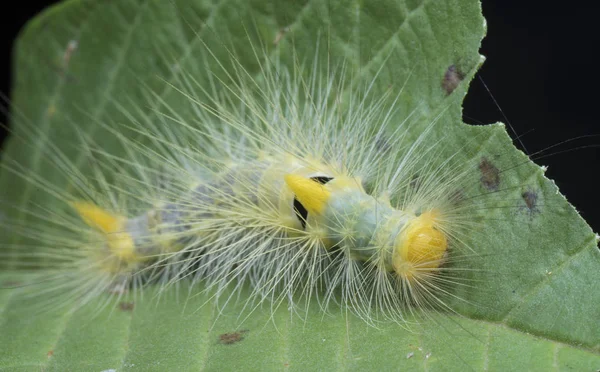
point(534, 306)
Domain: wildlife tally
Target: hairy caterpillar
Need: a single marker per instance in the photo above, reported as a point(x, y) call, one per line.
point(257, 198)
point(287, 173)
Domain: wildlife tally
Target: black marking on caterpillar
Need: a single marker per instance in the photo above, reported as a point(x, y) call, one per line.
point(299, 209)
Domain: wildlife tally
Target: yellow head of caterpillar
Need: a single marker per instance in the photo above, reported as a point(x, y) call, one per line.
point(120, 244)
point(420, 248)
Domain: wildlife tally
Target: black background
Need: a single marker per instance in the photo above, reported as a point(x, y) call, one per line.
point(541, 68)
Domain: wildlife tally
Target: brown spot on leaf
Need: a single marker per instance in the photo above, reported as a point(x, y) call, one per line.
point(232, 338)
point(530, 197)
point(452, 79)
point(126, 306)
point(490, 175)
point(50, 353)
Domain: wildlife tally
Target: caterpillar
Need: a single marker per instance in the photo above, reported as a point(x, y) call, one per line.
point(293, 173)
point(257, 198)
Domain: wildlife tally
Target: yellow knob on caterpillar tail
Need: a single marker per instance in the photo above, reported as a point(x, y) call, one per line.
point(420, 248)
point(119, 242)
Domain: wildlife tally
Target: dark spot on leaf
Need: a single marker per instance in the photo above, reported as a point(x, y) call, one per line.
point(126, 306)
point(490, 175)
point(232, 338)
point(452, 78)
point(531, 197)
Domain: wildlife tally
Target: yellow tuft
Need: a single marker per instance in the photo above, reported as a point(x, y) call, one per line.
point(421, 247)
point(119, 242)
point(311, 194)
point(97, 217)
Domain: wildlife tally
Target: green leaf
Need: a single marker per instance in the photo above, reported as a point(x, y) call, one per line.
point(533, 308)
